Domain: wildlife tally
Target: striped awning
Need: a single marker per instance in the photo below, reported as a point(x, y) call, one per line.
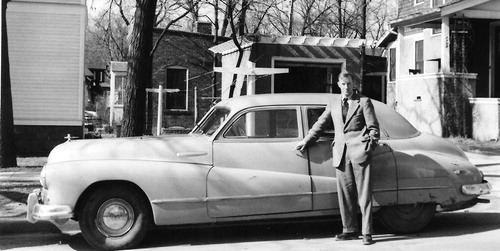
point(248, 41)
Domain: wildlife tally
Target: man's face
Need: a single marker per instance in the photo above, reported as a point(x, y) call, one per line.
point(346, 86)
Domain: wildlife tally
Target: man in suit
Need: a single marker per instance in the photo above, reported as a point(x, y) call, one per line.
point(356, 134)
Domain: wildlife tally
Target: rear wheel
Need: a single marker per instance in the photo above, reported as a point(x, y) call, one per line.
point(407, 218)
point(115, 218)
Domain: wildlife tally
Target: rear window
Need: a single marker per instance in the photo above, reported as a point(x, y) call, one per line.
point(392, 123)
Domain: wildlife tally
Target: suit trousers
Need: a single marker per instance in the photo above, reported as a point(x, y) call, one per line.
point(355, 189)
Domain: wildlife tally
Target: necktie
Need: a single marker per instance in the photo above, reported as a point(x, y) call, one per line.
point(345, 108)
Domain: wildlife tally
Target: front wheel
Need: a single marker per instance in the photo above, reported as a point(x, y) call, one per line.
point(115, 218)
point(407, 218)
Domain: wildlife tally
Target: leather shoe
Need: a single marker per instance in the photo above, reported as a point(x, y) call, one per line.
point(346, 236)
point(367, 239)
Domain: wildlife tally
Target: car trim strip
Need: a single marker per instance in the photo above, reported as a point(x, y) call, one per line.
point(430, 187)
point(212, 199)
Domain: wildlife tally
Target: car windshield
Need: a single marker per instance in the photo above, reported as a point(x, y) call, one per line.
point(212, 121)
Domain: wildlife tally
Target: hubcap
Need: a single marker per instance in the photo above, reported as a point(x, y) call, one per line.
point(115, 217)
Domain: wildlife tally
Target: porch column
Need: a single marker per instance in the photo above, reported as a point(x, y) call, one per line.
point(445, 44)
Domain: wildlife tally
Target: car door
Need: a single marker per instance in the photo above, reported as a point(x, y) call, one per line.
point(256, 170)
point(323, 175)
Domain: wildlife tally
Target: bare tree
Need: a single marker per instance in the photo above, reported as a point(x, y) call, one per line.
point(379, 13)
point(7, 143)
point(139, 74)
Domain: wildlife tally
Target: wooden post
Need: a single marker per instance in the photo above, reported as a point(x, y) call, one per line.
point(160, 92)
point(195, 105)
point(160, 110)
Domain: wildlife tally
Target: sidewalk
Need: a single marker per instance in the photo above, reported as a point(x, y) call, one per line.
point(20, 176)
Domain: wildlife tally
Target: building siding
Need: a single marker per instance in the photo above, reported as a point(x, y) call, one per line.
point(46, 59)
point(79, 2)
point(46, 51)
point(408, 7)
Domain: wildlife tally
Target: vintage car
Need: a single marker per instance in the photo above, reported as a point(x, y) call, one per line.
point(239, 164)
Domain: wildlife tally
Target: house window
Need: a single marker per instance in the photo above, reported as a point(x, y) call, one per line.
point(392, 64)
point(419, 56)
point(119, 84)
point(176, 78)
point(419, 2)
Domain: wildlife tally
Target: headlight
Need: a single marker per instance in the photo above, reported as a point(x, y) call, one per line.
point(43, 178)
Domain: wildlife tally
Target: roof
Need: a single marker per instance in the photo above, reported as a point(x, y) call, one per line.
point(187, 33)
point(435, 14)
point(418, 18)
point(249, 40)
point(388, 37)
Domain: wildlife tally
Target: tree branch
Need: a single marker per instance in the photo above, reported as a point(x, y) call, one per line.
point(168, 26)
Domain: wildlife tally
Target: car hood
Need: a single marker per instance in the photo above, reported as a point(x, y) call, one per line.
point(190, 148)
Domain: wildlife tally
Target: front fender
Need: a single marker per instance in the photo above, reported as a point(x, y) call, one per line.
point(177, 191)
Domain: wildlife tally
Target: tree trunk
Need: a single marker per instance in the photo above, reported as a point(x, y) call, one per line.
point(236, 42)
point(363, 47)
point(341, 32)
point(290, 17)
point(139, 75)
point(242, 18)
point(7, 143)
point(225, 22)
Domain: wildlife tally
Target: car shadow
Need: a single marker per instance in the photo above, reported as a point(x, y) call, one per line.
point(448, 224)
point(228, 234)
point(443, 225)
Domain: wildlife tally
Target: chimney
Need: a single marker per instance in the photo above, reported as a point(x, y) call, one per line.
point(205, 27)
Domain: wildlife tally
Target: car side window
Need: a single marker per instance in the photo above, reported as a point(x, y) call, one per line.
point(312, 116)
point(273, 123)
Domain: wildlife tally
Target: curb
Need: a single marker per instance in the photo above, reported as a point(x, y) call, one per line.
point(18, 225)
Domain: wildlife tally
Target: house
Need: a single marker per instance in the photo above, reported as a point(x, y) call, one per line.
point(96, 98)
point(444, 66)
point(46, 51)
point(285, 64)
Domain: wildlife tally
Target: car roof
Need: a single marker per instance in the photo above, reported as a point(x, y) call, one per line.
point(241, 102)
point(393, 123)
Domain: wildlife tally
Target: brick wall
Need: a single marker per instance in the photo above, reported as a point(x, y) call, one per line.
point(190, 51)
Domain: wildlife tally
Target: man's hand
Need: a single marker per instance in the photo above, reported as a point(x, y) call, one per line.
point(301, 146)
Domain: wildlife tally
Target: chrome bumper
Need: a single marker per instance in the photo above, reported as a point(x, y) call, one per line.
point(476, 189)
point(57, 214)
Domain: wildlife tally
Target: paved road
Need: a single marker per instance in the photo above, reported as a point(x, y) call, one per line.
point(476, 228)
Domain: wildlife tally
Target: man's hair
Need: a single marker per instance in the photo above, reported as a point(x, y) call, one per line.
point(345, 74)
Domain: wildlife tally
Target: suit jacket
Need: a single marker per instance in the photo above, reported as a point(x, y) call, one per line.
point(354, 137)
